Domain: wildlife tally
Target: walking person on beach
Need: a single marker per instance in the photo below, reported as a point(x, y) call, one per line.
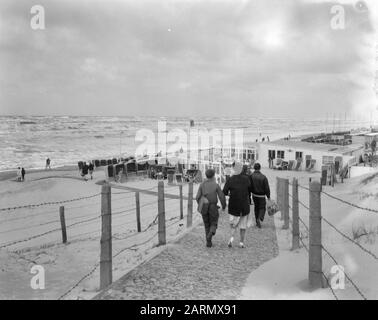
point(238, 188)
point(23, 174)
point(48, 162)
point(19, 174)
point(260, 190)
point(210, 214)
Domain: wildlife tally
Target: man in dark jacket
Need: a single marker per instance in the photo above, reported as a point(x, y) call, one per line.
point(210, 215)
point(237, 187)
point(260, 190)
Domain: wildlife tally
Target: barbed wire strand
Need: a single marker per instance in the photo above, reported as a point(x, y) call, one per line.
point(48, 203)
point(350, 239)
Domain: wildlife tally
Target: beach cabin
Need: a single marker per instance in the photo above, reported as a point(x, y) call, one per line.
point(365, 138)
point(312, 155)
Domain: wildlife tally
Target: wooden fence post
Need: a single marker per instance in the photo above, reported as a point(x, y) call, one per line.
point(189, 217)
point(181, 203)
point(63, 224)
point(161, 214)
point(137, 206)
point(315, 237)
point(295, 206)
point(106, 237)
point(285, 203)
point(279, 195)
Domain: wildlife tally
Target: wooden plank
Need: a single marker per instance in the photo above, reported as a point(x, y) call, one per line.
point(106, 238)
point(161, 214)
point(63, 224)
point(137, 206)
point(315, 237)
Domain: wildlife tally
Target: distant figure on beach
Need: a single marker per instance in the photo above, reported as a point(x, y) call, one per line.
point(48, 164)
point(238, 188)
point(210, 214)
point(19, 174)
point(90, 169)
point(23, 174)
point(260, 190)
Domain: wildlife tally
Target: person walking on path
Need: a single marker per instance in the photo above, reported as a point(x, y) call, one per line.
point(48, 164)
point(210, 214)
point(260, 190)
point(23, 174)
point(238, 188)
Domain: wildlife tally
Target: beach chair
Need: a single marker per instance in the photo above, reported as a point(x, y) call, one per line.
point(277, 163)
point(179, 178)
point(170, 176)
point(291, 165)
point(109, 173)
point(118, 172)
point(198, 177)
point(344, 173)
point(191, 173)
point(103, 163)
point(298, 164)
point(131, 167)
point(311, 165)
point(142, 168)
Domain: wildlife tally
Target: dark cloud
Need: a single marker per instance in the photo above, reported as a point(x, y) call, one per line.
point(182, 57)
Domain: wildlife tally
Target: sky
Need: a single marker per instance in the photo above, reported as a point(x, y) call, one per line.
point(213, 57)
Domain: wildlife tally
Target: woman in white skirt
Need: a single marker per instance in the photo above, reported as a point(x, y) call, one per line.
point(238, 188)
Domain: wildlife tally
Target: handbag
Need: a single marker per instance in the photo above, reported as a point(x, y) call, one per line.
point(272, 207)
point(203, 204)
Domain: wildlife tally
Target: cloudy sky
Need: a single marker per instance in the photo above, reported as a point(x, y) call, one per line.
point(186, 57)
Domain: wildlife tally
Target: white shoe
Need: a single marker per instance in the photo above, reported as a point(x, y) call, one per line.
point(241, 245)
point(230, 242)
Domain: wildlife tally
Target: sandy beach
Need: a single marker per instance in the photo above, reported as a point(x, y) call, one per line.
point(81, 253)
point(66, 264)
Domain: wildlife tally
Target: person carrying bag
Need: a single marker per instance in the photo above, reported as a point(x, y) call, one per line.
point(207, 200)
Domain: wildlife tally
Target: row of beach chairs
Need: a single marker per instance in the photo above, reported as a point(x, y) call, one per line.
point(293, 165)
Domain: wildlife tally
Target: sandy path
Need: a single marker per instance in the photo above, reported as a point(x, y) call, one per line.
point(189, 270)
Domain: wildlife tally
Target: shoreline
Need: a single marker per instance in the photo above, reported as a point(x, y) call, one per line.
point(9, 174)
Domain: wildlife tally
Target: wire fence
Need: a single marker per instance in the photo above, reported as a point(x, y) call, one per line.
point(94, 217)
point(29, 206)
point(343, 234)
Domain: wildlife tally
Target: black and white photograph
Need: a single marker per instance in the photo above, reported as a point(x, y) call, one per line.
point(216, 151)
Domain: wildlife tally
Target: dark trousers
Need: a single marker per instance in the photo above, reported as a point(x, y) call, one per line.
point(210, 219)
point(260, 207)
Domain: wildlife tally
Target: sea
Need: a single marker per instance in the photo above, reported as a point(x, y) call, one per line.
point(28, 141)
